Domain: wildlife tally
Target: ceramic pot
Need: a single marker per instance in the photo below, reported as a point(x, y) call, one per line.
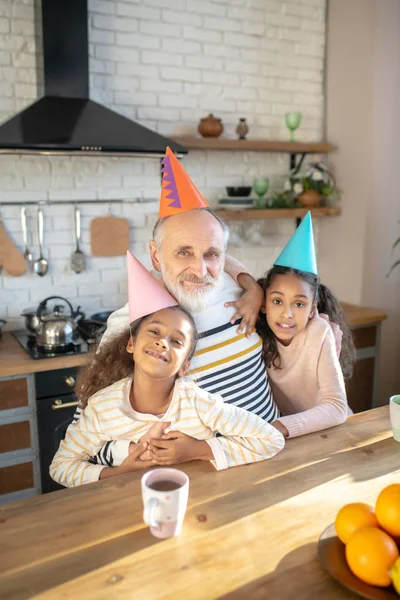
point(242, 129)
point(309, 199)
point(210, 126)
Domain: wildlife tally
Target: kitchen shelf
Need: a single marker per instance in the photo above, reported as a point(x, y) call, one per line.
point(276, 213)
point(199, 143)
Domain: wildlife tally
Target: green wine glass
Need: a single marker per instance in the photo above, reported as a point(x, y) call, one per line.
point(292, 120)
point(261, 186)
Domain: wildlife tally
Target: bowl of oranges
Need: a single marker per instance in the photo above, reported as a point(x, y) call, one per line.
point(361, 549)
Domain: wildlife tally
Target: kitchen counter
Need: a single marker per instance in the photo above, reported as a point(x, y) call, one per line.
point(15, 361)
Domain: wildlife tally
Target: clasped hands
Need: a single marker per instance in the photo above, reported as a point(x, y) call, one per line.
point(157, 447)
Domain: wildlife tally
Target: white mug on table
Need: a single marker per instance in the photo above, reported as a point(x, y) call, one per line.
point(394, 411)
point(165, 495)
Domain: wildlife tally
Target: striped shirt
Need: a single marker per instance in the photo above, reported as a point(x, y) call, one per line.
point(109, 416)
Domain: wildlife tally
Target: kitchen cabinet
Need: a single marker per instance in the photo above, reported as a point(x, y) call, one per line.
point(362, 388)
point(19, 446)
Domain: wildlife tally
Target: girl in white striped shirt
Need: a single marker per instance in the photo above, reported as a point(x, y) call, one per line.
point(135, 388)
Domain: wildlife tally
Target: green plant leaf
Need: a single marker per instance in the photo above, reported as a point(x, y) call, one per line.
point(396, 264)
point(396, 243)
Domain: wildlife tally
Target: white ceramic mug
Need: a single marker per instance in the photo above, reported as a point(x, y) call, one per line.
point(394, 411)
point(165, 495)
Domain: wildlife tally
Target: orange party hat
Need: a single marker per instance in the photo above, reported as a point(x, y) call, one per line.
point(145, 294)
point(178, 193)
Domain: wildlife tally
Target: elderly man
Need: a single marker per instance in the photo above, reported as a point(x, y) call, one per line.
point(188, 249)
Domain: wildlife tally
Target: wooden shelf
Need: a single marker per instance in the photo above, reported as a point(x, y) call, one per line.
point(198, 143)
point(276, 213)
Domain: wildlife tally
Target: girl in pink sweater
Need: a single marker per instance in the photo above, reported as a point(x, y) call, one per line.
point(305, 373)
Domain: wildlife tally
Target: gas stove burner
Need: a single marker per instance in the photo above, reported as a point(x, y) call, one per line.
point(79, 346)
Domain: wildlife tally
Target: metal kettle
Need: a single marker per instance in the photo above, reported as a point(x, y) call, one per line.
point(55, 329)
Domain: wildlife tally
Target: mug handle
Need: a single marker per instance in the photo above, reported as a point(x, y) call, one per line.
point(148, 513)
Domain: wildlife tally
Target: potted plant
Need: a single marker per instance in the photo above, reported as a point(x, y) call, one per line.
point(312, 186)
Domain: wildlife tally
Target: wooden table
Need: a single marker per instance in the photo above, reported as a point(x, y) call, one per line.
point(250, 532)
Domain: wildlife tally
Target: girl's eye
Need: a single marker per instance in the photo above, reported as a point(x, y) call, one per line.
point(299, 304)
point(153, 331)
point(276, 301)
point(177, 342)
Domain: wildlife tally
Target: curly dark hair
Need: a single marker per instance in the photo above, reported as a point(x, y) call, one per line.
point(111, 362)
point(326, 303)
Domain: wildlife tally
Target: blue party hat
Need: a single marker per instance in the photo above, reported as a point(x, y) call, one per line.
point(299, 252)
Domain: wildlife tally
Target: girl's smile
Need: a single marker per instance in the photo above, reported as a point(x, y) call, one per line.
point(162, 344)
point(156, 355)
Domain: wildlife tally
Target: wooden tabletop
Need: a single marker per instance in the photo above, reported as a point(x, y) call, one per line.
point(249, 532)
point(14, 360)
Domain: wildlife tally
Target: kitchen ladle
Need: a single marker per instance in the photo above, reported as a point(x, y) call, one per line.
point(41, 265)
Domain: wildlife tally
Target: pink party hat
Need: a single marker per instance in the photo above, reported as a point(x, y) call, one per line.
point(145, 294)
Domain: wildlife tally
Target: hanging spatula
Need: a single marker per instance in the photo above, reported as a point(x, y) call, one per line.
point(78, 263)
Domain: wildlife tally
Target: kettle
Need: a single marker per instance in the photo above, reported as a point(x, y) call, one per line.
point(56, 329)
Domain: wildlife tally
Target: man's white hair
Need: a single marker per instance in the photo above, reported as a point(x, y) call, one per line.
point(158, 230)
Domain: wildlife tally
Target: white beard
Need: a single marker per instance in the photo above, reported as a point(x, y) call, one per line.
point(195, 300)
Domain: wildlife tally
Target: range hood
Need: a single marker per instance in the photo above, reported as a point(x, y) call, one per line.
point(65, 120)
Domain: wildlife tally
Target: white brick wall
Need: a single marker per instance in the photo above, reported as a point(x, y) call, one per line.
point(166, 67)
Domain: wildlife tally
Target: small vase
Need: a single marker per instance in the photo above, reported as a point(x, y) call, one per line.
point(309, 199)
point(210, 126)
point(242, 129)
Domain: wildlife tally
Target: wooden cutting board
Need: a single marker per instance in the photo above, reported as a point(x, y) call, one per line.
point(11, 258)
point(109, 236)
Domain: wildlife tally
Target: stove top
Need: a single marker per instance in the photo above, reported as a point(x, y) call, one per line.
point(28, 343)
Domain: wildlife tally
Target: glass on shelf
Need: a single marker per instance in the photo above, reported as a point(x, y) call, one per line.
point(292, 120)
point(261, 187)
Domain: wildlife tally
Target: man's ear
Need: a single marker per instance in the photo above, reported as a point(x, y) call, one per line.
point(155, 257)
point(130, 345)
point(184, 368)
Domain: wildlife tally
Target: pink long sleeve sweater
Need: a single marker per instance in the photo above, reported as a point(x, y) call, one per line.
point(309, 388)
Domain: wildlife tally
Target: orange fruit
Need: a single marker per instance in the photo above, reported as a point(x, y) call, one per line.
point(370, 554)
point(388, 509)
point(352, 517)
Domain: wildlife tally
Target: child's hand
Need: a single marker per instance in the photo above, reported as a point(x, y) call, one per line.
point(137, 458)
point(131, 463)
point(177, 447)
point(156, 431)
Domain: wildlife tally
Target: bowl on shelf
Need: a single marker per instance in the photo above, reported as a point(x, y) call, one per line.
point(236, 203)
point(241, 191)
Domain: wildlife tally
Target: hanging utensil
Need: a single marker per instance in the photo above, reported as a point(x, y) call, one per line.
point(41, 265)
point(27, 254)
point(78, 263)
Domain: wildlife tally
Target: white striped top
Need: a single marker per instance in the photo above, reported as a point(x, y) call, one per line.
point(193, 411)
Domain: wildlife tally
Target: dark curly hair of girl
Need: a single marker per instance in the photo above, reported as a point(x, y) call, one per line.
point(326, 303)
point(112, 362)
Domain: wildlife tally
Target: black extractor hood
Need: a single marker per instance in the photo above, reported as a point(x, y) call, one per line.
point(65, 121)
